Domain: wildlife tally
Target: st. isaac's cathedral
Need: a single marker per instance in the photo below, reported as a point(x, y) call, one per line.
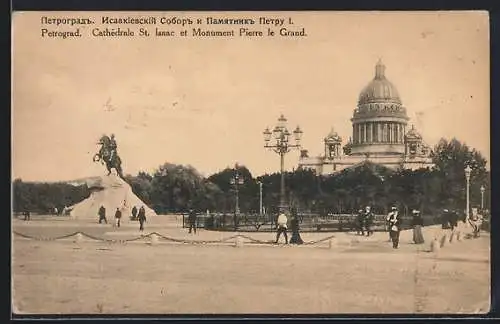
point(380, 134)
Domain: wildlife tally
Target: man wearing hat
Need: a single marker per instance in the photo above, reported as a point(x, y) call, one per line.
point(445, 218)
point(394, 210)
point(417, 223)
point(282, 227)
point(394, 227)
point(368, 220)
point(192, 220)
point(359, 223)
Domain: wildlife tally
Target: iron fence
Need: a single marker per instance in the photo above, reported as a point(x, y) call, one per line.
point(308, 222)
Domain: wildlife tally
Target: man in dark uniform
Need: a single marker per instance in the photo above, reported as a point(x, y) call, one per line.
point(134, 213)
point(118, 216)
point(359, 223)
point(453, 219)
point(102, 215)
point(445, 218)
point(192, 220)
point(142, 218)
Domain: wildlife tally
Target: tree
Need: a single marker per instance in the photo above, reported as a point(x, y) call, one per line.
point(44, 197)
point(247, 191)
point(141, 186)
point(450, 159)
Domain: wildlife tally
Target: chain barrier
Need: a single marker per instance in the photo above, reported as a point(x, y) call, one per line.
point(255, 240)
point(171, 239)
point(46, 238)
point(319, 241)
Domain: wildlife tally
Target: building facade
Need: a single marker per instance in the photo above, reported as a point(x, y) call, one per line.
point(380, 134)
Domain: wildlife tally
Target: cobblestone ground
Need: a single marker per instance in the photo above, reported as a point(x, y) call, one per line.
point(353, 275)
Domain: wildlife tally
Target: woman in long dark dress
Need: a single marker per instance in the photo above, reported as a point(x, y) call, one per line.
point(417, 223)
point(294, 224)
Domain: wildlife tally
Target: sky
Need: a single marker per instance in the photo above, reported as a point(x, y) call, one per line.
point(206, 101)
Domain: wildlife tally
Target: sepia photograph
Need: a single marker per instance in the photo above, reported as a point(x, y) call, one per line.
point(314, 162)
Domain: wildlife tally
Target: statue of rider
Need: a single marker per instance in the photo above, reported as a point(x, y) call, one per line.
point(112, 147)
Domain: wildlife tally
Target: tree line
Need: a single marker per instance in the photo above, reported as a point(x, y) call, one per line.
point(175, 188)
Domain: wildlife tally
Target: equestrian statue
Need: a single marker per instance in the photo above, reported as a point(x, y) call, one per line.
point(108, 155)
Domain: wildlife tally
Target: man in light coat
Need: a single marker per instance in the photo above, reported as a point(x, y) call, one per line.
point(394, 228)
point(393, 211)
point(282, 227)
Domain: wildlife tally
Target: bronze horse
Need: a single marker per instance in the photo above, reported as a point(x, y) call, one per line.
point(108, 156)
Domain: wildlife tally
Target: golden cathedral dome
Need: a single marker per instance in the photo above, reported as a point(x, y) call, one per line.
point(379, 90)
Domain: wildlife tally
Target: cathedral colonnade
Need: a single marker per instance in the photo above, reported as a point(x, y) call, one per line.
point(378, 132)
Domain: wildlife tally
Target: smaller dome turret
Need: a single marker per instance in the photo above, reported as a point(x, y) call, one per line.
point(333, 136)
point(412, 134)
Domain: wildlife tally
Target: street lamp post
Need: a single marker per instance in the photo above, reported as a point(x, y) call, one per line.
point(260, 197)
point(482, 197)
point(282, 146)
point(467, 178)
point(236, 181)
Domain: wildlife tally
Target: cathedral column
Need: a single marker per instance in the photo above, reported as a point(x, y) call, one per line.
point(359, 134)
point(369, 137)
point(396, 133)
point(379, 132)
point(364, 132)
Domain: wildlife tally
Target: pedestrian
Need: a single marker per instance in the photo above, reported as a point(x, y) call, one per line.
point(192, 220)
point(359, 223)
point(453, 219)
point(394, 228)
point(102, 214)
point(475, 221)
point(394, 210)
point(417, 223)
point(294, 224)
point(27, 215)
point(368, 221)
point(142, 218)
point(445, 218)
point(282, 227)
point(134, 213)
point(118, 216)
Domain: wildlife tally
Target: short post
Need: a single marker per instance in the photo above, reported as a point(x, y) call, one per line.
point(452, 236)
point(435, 246)
point(443, 240)
point(331, 243)
point(154, 239)
point(238, 241)
point(78, 238)
point(459, 236)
